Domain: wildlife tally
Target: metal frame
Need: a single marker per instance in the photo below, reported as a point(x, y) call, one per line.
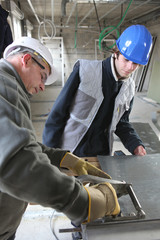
point(48, 42)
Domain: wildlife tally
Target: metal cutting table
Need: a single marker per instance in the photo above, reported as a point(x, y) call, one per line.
point(144, 175)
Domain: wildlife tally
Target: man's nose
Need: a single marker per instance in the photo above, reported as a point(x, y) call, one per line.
point(130, 65)
point(42, 87)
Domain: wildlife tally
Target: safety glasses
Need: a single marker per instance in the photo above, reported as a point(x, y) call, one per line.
point(40, 65)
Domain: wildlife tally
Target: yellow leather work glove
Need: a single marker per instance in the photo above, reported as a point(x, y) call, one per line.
point(102, 201)
point(80, 167)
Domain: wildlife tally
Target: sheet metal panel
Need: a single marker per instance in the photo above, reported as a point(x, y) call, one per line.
point(143, 173)
point(148, 230)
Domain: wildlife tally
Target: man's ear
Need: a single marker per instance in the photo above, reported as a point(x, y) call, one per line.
point(115, 55)
point(26, 59)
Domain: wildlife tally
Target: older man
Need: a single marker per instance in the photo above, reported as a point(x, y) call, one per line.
point(29, 171)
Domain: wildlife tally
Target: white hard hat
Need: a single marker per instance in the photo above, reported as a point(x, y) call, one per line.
point(37, 47)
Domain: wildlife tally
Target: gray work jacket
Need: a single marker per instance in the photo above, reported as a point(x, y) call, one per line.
point(27, 171)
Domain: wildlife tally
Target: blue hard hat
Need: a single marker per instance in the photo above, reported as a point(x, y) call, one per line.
point(135, 44)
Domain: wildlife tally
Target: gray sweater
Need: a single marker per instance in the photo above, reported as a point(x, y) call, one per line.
point(29, 170)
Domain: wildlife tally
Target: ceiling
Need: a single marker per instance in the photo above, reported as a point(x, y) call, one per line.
point(93, 14)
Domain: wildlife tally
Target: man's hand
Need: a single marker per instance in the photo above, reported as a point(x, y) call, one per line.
point(140, 151)
point(80, 167)
point(102, 201)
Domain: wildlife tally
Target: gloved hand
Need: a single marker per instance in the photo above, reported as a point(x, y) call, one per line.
point(80, 167)
point(102, 201)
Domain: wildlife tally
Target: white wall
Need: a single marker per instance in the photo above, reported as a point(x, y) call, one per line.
point(153, 76)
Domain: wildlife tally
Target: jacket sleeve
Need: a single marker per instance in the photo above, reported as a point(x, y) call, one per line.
point(127, 133)
point(26, 173)
point(54, 126)
point(55, 155)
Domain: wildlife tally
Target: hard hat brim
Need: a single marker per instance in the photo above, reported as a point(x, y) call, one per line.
point(53, 77)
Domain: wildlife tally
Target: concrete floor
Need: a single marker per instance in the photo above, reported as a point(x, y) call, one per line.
point(36, 222)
